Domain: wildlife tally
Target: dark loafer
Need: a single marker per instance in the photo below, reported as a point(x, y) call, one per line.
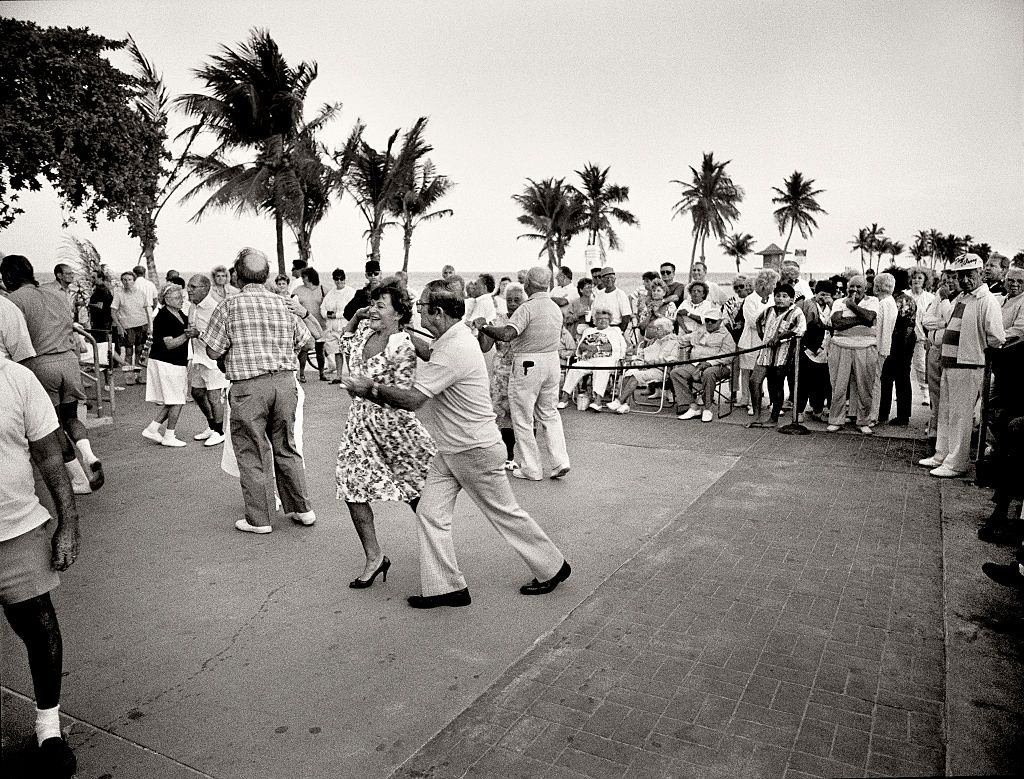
point(454, 599)
point(1006, 575)
point(56, 758)
point(95, 475)
point(542, 588)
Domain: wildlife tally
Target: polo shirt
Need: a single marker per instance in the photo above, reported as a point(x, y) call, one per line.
point(131, 308)
point(1013, 316)
point(48, 319)
point(459, 415)
point(538, 322)
point(15, 342)
point(27, 414)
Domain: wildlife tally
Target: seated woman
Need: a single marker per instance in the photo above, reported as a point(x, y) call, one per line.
point(655, 305)
point(661, 347)
point(600, 345)
point(692, 311)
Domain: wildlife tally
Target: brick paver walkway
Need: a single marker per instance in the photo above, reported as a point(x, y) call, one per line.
point(787, 624)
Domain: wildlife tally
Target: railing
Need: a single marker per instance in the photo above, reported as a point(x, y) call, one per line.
point(94, 373)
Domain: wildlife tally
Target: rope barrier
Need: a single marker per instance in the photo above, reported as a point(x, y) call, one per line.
point(673, 363)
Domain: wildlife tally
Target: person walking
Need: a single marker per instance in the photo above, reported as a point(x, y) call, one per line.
point(33, 550)
point(206, 380)
point(452, 384)
point(258, 336)
point(167, 367)
point(385, 451)
point(535, 333)
point(975, 325)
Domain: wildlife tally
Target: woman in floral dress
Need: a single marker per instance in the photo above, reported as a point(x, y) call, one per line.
point(515, 296)
point(385, 452)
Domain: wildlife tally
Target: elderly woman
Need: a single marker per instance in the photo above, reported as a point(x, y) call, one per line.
point(895, 370)
point(167, 368)
point(884, 285)
point(660, 347)
point(222, 287)
point(920, 292)
point(578, 312)
point(655, 306)
point(310, 295)
point(385, 451)
point(750, 337)
point(691, 312)
point(600, 345)
point(501, 369)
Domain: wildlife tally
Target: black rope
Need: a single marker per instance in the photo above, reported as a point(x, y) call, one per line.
point(692, 361)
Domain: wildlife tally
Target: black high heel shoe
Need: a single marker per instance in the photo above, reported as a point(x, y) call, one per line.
point(362, 584)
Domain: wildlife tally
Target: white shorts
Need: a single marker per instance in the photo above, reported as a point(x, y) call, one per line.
point(166, 383)
point(205, 377)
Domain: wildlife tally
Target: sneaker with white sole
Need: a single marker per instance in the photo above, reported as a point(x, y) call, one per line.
point(153, 436)
point(511, 465)
point(707, 415)
point(214, 438)
point(203, 435)
point(930, 462)
point(562, 404)
point(622, 409)
point(866, 429)
point(613, 405)
point(690, 413)
point(170, 439)
point(832, 428)
point(943, 472)
point(303, 517)
point(245, 527)
point(595, 406)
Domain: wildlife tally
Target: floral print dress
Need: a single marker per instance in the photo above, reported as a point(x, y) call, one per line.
point(385, 452)
point(500, 373)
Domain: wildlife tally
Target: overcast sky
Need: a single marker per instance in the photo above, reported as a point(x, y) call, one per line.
point(909, 114)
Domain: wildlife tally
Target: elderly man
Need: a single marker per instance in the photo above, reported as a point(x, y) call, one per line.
point(64, 283)
point(1012, 304)
point(661, 347)
point(205, 378)
point(791, 275)
point(716, 294)
point(258, 337)
point(853, 356)
point(32, 550)
point(55, 364)
point(933, 322)
point(453, 388)
point(133, 317)
point(614, 300)
point(535, 333)
point(975, 325)
point(707, 344)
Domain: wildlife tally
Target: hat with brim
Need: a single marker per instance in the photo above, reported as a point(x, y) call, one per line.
point(714, 314)
point(966, 261)
point(608, 270)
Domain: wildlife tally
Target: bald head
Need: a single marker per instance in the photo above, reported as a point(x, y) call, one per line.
point(538, 279)
point(252, 267)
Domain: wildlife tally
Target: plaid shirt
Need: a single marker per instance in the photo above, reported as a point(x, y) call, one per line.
point(258, 332)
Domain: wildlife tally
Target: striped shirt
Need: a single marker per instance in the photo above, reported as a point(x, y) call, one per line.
point(774, 324)
point(258, 332)
point(976, 323)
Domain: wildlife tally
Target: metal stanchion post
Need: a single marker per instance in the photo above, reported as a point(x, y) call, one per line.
point(980, 475)
point(794, 427)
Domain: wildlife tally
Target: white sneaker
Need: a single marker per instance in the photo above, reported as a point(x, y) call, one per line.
point(750, 411)
point(866, 429)
point(690, 413)
point(562, 404)
point(203, 435)
point(170, 439)
point(152, 435)
point(511, 465)
point(595, 406)
point(622, 409)
point(832, 428)
point(304, 517)
point(245, 527)
point(942, 472)
point(707, 415)
point(214, 438)
point(930, 462)
point(613, 405)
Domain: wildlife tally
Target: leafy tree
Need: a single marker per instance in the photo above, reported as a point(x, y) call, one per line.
point(254, 102)
point(375, 178)
point(555, 211)
point(920, 248)
point(861, 242)
point(711, 199)
point(983, 250)
point(68, 116)
point(601, 204)
point(413, 204)
point(738, 246)
point(895, 249)
point(798, 204)
point(1018, 260)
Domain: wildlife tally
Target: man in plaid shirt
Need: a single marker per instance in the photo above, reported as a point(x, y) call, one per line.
point(258, 336)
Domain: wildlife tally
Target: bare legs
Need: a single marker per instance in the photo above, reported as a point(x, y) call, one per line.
point(362, 519)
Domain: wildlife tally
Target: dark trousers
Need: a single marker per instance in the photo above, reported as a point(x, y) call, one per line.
point(815, 386)
point(896, 373)
point(776, 376)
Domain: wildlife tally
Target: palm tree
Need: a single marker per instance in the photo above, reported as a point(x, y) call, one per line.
point(413, 204)
point(797, 206)
point(881, 247)
point(738, 246)
point(919, 248)
point(601, 202)
point(983, 250)
point(712, 200)
point(375, 178)
point(875, 236)
point(934, 236)
point(555, 211)
point(861, 242)
point(254, 103)
point(895, 249)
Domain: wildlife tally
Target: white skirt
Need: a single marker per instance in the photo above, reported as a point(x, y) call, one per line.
point(166, 383)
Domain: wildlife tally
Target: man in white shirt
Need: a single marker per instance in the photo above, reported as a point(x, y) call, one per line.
point(297, 267)
point(32, 551)
point(15, 341)
point(148, 287)
point(715, 293)
point(332, 309)
point(853, 356)
point(206, 379)
point(565, 291)
point(614, 300)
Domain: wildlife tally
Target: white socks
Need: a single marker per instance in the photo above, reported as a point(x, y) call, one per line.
point(155, 427)
point(47, 724)
point(79, 481)
point(85, 449)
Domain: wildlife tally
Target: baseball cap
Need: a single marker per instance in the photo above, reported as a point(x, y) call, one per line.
point(966, 261)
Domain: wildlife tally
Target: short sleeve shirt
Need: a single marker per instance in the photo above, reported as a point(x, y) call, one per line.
point(459, 415)
point(25, 415)
point(15, 342)
point(132, 307)
point(48, 319)
point(615, 301)
point(167, 325)
point(538, 321)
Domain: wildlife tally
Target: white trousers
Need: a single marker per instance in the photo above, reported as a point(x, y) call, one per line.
point(532, 397)
point(959, 390)
point(481, 473)
point(579, 370)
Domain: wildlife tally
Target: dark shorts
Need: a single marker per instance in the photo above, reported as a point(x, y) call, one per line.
point(135, 336)
point(60, 376)
point(25, 569)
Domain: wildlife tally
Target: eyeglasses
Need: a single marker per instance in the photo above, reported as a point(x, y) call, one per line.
point(666, 273)
point(373, 273)
point(739, 288)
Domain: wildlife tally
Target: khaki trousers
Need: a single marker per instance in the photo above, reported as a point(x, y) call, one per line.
point(959, 390)
point(532, 397)
point(686, 378)
point(847, 365)
point(264, 408)
point(481, 473)
point(933, 371)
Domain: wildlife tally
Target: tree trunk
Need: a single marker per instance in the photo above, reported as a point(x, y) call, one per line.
point(279, 228)
point(693, 253)
point(149, 252)
point(375, 236)
point(407, 242)
point(788, 237)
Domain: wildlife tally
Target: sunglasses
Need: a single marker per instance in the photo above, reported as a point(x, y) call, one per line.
point(373, 273)
point(666, 273)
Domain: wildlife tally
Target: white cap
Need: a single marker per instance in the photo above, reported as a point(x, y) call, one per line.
point(967, 261)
